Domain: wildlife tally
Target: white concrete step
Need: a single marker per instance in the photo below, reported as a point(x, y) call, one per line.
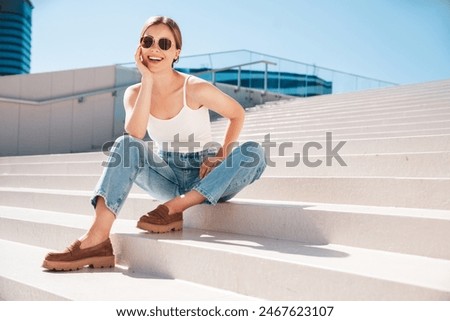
point(312, 110)
point(336, 104)
point(54, 158)
point(352, 129)
point(23, 279)
point(377, 165)
point(50, 167)
point(311, 115)
point(385, 228)
point(368, 190)
point(357, 100)
point(296, 271)
point(375, 191)
point(319, 135)
point(92, 161)
point(300, 271)
point(390, 144)
point(381, 165)
point(306, 123)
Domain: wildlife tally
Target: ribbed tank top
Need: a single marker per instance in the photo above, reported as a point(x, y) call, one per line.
point(187, 131)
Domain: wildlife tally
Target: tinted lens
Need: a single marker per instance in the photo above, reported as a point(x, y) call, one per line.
point(147, 41)
point(164, 43)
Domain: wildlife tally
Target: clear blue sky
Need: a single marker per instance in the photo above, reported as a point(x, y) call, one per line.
point(403, 41)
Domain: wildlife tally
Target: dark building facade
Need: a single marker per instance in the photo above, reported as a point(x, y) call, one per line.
point(286, 83)
point(15, 36)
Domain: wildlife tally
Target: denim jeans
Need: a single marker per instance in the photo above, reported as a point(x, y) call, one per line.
point(165, 175)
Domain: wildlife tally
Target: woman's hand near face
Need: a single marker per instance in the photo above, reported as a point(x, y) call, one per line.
point(140, 64)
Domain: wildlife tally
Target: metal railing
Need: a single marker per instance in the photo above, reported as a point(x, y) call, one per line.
point(213, 72)
point(79, 96)
point(341, 81)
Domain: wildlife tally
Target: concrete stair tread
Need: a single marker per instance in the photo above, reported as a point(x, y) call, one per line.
point(350, 208)
point(346, 260)
point(441, 140)
point(310, 110)
point(367, 209)
point(376, 227)
point(87, 284)
point(395, 267)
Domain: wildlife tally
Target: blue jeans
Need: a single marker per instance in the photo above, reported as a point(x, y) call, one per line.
point(169, 174)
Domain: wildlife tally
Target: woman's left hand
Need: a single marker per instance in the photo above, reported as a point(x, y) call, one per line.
point(209, 164)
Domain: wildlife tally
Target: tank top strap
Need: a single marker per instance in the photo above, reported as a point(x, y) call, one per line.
point(184, 91)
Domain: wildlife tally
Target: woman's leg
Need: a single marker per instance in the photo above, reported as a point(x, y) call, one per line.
point(243, 166)
point(183, 202)
point(101, 227)
point(129, 161)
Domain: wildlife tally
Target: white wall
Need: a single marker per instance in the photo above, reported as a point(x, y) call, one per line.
point(72, 125)
point(60, 127)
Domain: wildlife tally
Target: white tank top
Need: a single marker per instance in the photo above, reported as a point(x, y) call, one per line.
point(188, 131)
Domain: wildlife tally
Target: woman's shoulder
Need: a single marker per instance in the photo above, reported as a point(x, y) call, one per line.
point(134, 88)
point(196, 84)
point(130, 94)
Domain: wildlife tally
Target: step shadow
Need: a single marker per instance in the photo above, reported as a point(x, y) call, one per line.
point(246, 241)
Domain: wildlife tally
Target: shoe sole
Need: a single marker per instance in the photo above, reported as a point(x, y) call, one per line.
point(175, 226)
point(98, 262)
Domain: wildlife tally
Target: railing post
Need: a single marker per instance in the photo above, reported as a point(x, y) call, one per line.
point(213, 77)
point(239, 78)
point(265, 77)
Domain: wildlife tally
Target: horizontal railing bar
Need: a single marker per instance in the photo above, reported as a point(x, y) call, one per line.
point(63, 98)
point(235, 66)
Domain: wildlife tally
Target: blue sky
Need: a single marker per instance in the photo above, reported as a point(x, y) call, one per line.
point(403, 41)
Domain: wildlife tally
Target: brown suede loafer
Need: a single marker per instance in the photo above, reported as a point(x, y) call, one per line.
point(74, 258)
point(159, 221)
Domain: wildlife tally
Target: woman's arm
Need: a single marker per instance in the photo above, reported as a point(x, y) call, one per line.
point(137, 100)
point(208, 95)
point(219, 102)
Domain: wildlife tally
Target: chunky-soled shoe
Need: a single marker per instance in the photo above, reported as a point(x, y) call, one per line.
point(159, 221)
point(74, 258)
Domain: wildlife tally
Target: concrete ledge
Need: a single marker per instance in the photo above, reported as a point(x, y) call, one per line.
point(373, 191)
point(297, 271)
point(387, 229)
point(23, 279)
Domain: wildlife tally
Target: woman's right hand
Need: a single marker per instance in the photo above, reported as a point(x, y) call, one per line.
point(140, 64)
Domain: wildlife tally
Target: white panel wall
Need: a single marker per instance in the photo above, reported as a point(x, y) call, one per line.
point(9, 129)
point(34, 133)
point(60, 127)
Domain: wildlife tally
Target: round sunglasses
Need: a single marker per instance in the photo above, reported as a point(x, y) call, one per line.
point(163, 43)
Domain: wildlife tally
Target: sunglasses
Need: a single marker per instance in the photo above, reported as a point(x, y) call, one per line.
point(163, 43)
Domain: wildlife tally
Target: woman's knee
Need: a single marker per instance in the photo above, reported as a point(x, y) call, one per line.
point(128, 150)
point(252, 154)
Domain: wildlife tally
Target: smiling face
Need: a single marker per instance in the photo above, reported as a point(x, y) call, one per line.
point(155, 57)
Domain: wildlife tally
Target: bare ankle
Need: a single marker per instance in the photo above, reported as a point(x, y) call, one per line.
point(92, 239)
point(172, 209)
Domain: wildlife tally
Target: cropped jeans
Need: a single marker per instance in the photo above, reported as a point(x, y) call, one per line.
point(165, 175)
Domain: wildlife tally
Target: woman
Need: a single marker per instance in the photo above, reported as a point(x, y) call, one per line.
point(173, 108)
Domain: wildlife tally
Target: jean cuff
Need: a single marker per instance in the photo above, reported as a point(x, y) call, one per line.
point(94, 202)
point(209, 198)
